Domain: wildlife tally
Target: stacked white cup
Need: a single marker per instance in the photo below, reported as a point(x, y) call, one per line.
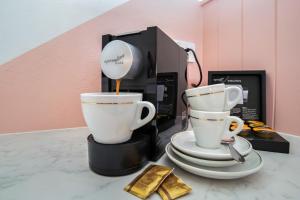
point(210, 113)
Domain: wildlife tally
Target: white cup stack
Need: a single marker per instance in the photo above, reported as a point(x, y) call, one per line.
point(210, 113)
point(201, 150)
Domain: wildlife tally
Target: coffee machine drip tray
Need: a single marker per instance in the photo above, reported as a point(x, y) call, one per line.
point(119, 159)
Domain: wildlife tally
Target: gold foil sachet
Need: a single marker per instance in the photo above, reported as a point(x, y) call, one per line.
point(148, 181)
point(173, 188)
point(254, 124)
point(258, 128)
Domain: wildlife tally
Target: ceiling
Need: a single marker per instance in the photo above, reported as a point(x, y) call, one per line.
point(28, 24)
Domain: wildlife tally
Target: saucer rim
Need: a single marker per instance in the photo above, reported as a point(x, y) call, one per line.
point(211, 173)
point(203, 161)
point(210, 156)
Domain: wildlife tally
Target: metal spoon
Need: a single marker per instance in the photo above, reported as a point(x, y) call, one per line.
point(234, 153)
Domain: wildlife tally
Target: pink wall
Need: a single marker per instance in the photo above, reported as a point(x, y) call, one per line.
point(40, 89)
point(256, 34)
point(288, 70)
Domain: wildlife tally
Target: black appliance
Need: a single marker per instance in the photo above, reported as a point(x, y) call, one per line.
point(162, 82)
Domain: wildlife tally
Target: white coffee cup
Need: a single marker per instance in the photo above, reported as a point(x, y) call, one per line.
point(214, 97)
point(211, 127)
point(112, 118)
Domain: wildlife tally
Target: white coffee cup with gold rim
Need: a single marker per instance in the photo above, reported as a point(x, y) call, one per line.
point(211, 127)
point(112, 118)
point(216, 97)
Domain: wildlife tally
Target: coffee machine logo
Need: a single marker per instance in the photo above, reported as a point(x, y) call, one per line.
point(117, 61)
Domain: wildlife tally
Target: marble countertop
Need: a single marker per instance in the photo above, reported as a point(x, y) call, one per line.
point(53, 165)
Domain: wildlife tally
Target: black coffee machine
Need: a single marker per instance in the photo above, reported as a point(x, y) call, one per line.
point(162, 82)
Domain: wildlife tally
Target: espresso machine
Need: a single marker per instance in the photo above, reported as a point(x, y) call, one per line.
point(157, 69)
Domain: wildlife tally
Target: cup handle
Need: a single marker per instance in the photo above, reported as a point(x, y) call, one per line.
point(231, 103)
point(138, 122)
point(240, 123)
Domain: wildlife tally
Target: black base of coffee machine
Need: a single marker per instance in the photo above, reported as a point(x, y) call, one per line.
point(119, 159)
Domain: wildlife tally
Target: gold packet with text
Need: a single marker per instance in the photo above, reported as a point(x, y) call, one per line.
point(173, 188)
point(148, 181)
point(253, 123)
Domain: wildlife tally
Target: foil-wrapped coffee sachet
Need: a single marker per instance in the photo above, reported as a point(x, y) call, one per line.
point(173, 188)
point(254, 124)
point(148, 181)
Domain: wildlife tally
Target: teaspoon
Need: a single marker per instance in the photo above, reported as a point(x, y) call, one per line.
point(234, 153)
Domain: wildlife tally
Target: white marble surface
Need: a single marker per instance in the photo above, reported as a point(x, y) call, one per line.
point(52, 165)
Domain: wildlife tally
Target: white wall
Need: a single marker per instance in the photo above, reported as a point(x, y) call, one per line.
point(26, 24)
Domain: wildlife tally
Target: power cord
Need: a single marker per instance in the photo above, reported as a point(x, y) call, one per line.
point(183, 97)
point(199, 67)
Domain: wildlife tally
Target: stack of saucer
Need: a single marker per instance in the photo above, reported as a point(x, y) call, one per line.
point(200, 151)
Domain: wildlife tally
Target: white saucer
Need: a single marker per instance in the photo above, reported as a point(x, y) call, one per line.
point(203, 162)
point(185, 142)
point(252, 164)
